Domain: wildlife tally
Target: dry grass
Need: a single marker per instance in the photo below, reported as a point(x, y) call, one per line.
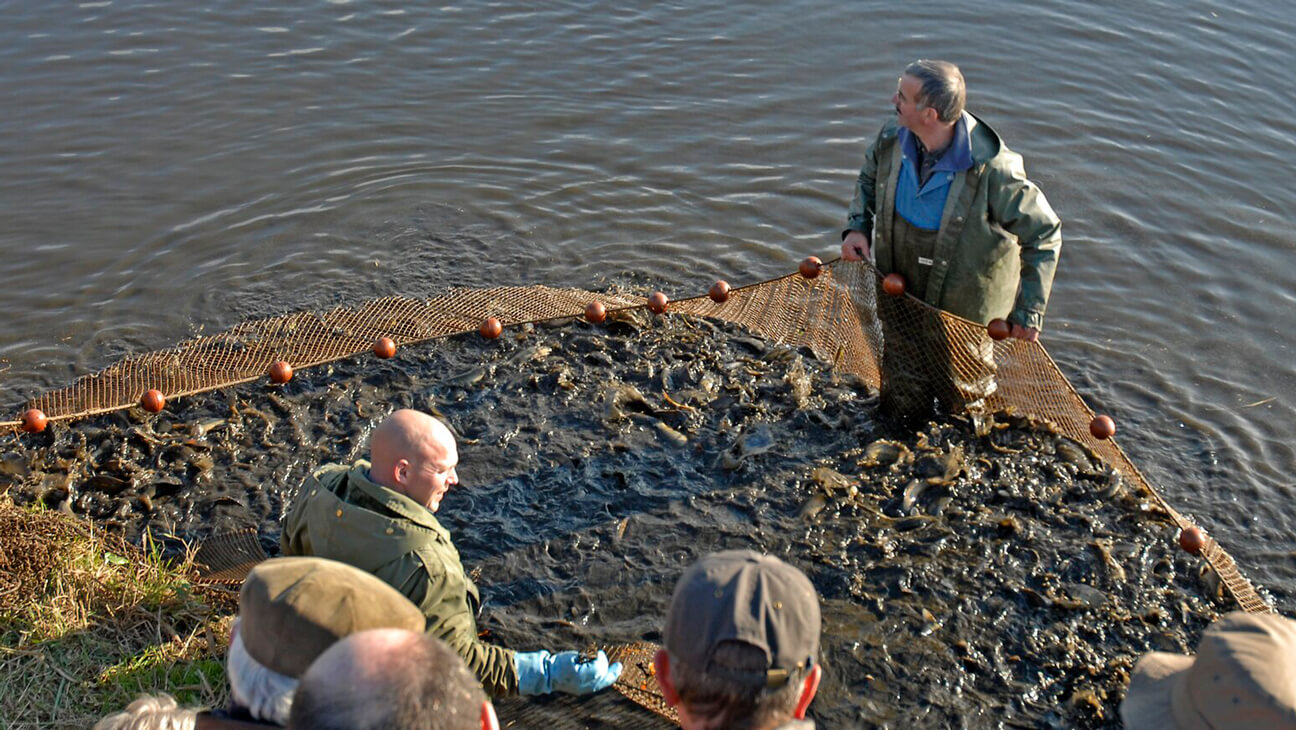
point(89, 622)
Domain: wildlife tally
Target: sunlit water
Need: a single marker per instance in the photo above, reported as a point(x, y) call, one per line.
point(173, 169)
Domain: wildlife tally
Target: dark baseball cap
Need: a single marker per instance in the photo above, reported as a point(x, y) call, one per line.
point(741, 595)
point(292, 609)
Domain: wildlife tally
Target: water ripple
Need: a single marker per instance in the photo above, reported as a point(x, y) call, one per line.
point(238, 161)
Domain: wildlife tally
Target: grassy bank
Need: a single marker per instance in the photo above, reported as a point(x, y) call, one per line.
point(89, 622)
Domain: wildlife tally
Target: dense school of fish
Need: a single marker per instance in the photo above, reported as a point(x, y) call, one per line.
point(975, 573)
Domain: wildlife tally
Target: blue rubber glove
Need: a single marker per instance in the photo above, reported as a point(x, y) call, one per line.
point(540, 673)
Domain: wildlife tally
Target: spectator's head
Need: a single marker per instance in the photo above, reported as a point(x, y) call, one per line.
point(290, 611)
point(150, 713)
point(1244, 675)
point(390, 678)
point(414, 454)
point(742, 639)
point(935, 85)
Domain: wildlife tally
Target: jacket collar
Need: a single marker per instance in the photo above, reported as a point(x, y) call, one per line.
point(985, 142)
point(391, 500)
point(958, 157)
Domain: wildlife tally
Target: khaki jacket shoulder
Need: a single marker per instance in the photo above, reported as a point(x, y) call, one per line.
point(341, 515)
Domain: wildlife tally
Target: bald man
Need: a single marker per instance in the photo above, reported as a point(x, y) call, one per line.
point(378, 515)
point(389, 678)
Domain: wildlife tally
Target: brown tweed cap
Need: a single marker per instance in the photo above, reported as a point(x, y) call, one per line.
point(292, 609)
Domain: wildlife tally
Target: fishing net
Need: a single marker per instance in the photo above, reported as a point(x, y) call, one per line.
point(840, 313)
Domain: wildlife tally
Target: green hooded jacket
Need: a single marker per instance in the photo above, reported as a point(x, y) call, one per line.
point(999, 239)
point(340, 514)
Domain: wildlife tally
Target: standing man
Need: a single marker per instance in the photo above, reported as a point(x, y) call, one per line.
point(378, 515)
point(942, 201)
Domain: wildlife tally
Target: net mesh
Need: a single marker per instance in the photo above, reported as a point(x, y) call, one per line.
point(840, 314)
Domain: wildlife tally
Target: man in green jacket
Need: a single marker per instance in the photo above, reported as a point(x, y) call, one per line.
point(942, 201)
point(378, 515)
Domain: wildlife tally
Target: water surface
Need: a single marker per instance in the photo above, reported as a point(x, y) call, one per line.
point(173, 169)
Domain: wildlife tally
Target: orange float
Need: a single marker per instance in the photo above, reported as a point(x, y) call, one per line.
point(153, 400)
point(810, 267)
point(893, 284)
point(1102, 427)
point(719, 292)
point(34, 420)
point(595, 312)
point(1192, 540)
point(281, 372)
point(999, 329)
point(491, 328)
point(657, 302)
point(384, 347)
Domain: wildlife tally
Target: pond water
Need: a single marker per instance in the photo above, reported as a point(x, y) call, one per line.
point(174, 169)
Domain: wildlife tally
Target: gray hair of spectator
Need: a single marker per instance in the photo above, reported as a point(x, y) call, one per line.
point(723, 700)
point(419, 683)
point(150, 712)
point(942, 88)
point(266, 694)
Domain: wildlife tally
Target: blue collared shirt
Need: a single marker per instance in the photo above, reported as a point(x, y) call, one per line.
point(922, 205)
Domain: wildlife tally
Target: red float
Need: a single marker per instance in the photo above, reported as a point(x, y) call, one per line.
point(384, 347)
point(1102, 427)
point(811, 266)
point(893, 284)
point(999, 329)
point(281, 372)
point(491, 328)
point(34, 420)
point(153, 400)
point(719, 292)
point(657, 302)
point(595, 312)
point(1192, 540)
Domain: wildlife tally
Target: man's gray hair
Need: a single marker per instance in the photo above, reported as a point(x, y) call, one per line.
point(420, 684)
point(725, 699)
point(150, 713)
point(942, 87)
point(264, 693)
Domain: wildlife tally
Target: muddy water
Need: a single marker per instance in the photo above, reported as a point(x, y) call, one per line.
point(974, 575)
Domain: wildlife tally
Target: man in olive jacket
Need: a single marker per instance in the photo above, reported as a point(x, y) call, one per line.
point(378, 515)
point(942, 201)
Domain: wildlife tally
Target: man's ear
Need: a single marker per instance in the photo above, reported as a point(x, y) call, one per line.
point(661, 670)
point(400, 472)
point(488, 719)
point(808, 691)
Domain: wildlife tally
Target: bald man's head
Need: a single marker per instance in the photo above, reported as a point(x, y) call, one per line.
point(414, 454)
point(365, 659)
point(389, 678)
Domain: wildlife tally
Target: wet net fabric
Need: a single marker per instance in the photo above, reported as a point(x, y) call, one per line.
point(841, 315)
point(604, 709)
